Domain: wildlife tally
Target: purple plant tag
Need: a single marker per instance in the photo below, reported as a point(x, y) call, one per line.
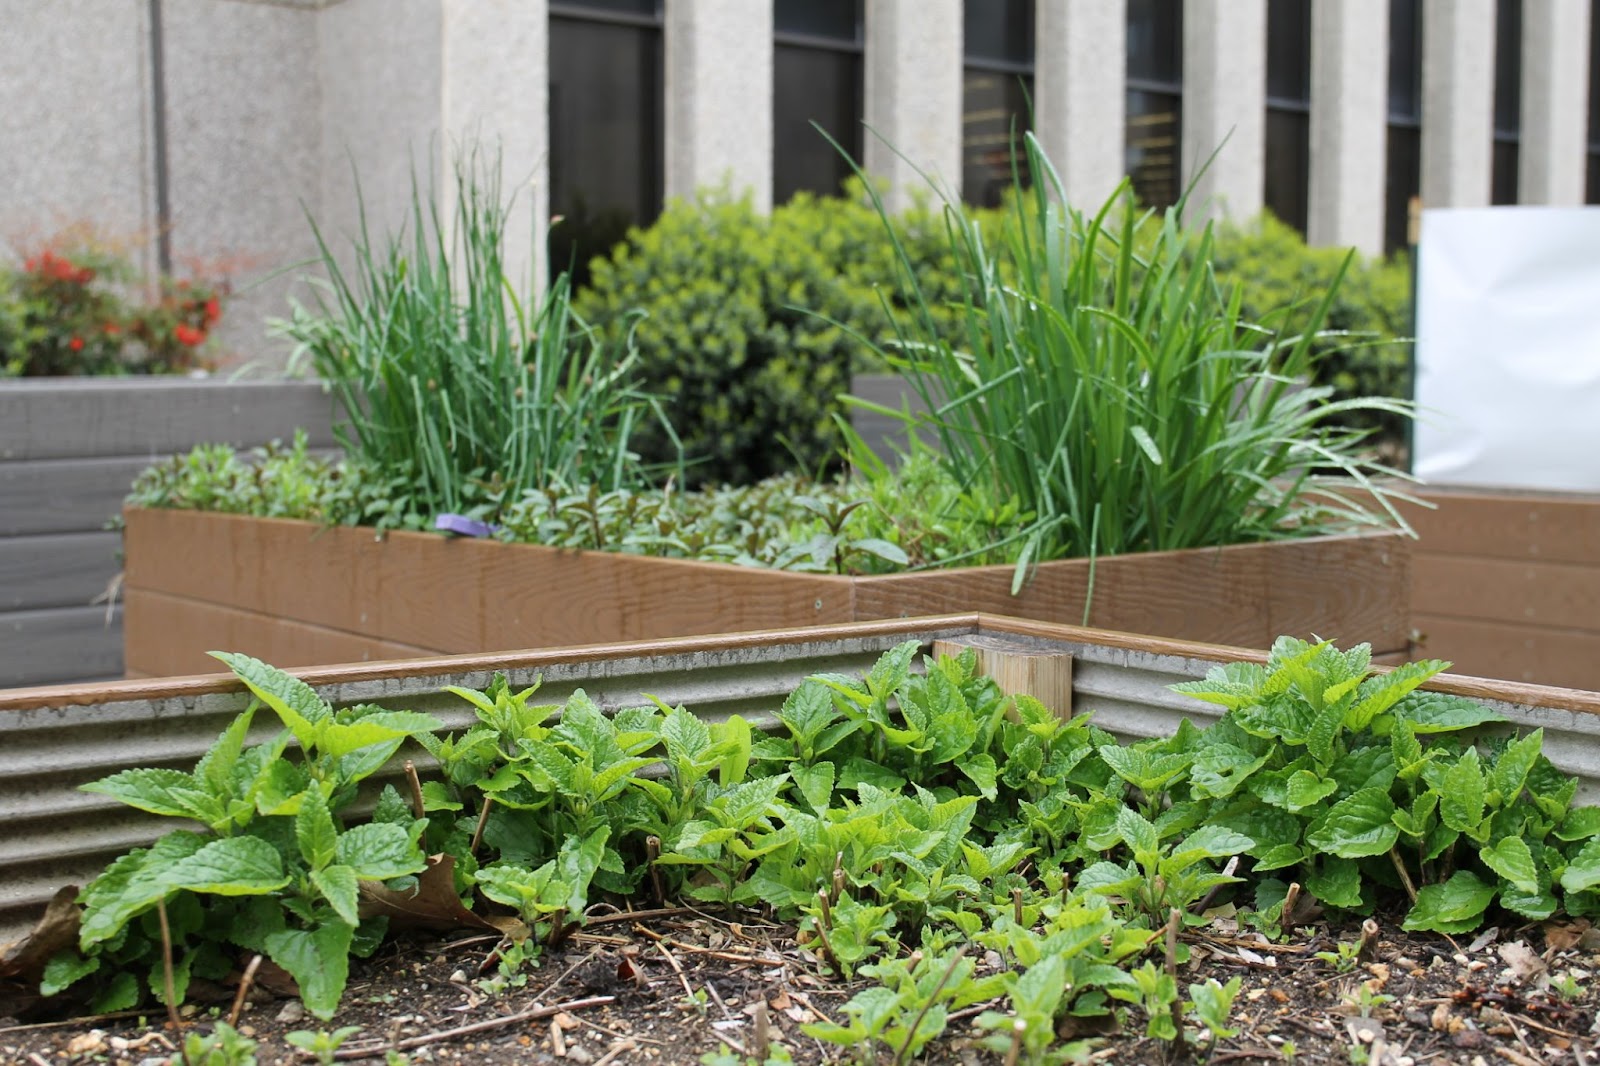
point(462, 526)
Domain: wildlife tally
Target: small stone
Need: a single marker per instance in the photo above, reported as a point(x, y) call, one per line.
point(292, 1012)
point(458, 977)
point(580, 1054)
point(91, 1043)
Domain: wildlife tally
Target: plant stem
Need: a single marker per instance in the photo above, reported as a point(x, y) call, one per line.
point(166, 969)
point(483, 820)
point(652, 850)
point(1405, 877)
point(904, 1054)
point(418, 808)
point(1174, 921)
point(244, 990)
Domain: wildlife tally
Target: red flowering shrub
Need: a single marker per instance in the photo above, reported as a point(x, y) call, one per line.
point(78, 312)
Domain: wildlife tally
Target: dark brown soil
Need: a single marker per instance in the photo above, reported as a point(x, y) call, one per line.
point(669, 989)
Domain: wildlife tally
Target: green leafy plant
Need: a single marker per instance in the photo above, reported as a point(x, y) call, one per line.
point(449, 370)
point(321, 1043)
point(287, 871)
point(223, 1046)
point(1106, 382)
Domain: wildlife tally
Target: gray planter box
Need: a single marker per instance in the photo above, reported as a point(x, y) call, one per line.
point(69, 450)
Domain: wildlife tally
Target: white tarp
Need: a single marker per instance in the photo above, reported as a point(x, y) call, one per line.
point(1508, 348)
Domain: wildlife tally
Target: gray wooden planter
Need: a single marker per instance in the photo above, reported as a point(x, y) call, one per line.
point(69, 450)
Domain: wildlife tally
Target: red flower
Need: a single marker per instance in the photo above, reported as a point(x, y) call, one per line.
point(111, 329)
point(76, 344)
point(186, 334)
point(213, 310)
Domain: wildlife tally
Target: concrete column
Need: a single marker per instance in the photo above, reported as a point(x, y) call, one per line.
point(913, 95)
point(1457, 102)
point(1079, 94)
point(1225, 100)
point(718, 84)
point(1555, 95)
point(1349, 113)
point(495, 90)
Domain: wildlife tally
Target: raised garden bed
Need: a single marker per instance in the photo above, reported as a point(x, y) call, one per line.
point(1486, 998)
point(69, 449)
point(293, 594)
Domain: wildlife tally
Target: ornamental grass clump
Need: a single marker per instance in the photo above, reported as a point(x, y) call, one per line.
point(1108, 385)
point(455, 374)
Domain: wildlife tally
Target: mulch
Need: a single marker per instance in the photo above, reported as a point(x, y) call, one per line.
point(668, 988)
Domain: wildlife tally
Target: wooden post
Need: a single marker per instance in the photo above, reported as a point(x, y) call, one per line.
point(1044, 675)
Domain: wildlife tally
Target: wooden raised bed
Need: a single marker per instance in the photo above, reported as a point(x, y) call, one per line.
point(69, 450)
point(53, 740)
point(296, 595)
point(1507, 584)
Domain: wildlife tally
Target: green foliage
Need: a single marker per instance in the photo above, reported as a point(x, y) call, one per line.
point(751, 322)
point(322, 1044)
point(902, 817)
point(450, 371)
point(1108, 384)
point(285, 868)
point(1361, 350)
point(223, 1046)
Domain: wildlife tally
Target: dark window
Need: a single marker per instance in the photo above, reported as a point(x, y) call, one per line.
point(1403, 173)
point(996, 86)
point(1592, 191)
point(1507, 99)
point(816, 72)
point(1288, 133)
point(1155, 100)
point(648, 9)
point(605, 128)
point(828, 20)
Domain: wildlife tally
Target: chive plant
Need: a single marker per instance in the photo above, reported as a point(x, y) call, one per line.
point(450, 372)
point(1106, 383)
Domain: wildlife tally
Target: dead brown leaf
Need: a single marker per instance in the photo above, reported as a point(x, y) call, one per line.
point(1521, 961)
point(433, 905)
point(1565, 934)
point(56, 930)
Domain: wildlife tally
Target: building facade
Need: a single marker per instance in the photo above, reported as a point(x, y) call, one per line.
point(210, 128)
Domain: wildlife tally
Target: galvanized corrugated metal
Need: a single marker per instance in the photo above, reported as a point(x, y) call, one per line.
point(56, 835)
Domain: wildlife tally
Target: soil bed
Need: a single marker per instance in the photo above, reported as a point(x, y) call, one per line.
point(670, 988)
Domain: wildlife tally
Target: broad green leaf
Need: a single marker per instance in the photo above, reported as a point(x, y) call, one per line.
point(338, 886)
point(1510, 770)
point(1369, 766)
point(314, 830)
point(815, 783)
point(1218, 769)
point(1231, 685)
point(121, 994)
point(1139, 835)
point(435, 797)
point(294, 701)
point(318, 960)
point(215, 768)
point(892, 668)
point(1146, 772)
point(378, 852)
point(1580, 823)
point(1461, 793)
point(685, 735)
point(231, 866)
point(172, 793)
point(576, 865)
point(1406, 749)
point(981, 771)
point(1383, 691)
point(1583, 870)
point(65, 969)
point(1336, 882)
point(733, 738)
point(1438, 712)
point(1513, 860)
point(1326, 725)
point(1360, 824)
point(1277, 856)
point(131, 885)
point(1306, 789)
point(1456, 906)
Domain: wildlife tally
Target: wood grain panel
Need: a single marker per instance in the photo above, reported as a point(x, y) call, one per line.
point(70, 418)
point(59, 644)
point(169, 636)
point(1561, 657)
point(64, 495)
point(1564, 595)
point(1547, 528)
point(1243, 595)
point(56, 570)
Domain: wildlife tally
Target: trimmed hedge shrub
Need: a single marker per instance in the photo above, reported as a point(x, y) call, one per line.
point(747, 330)
point(750, 322)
